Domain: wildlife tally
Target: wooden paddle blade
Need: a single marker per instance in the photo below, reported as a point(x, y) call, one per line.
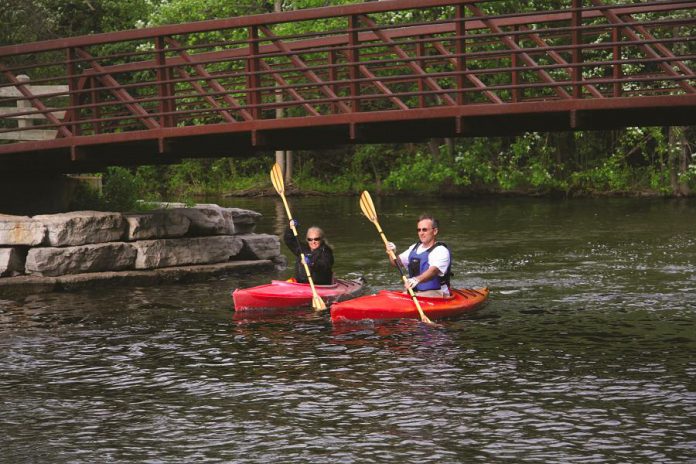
point(317, 303)
point(367, 206)
point(277, 179)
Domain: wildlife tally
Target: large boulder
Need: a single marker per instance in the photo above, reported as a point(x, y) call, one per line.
point(156, 224)
point(259, 246)
point(12, 261)
point(21, 230)
point(51, 261)
point(183, 251)
point(83, 227)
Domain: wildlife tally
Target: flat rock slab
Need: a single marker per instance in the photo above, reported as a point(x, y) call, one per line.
point(83, 227)
point(21, 230)
point(259, 246)
point(29, 285)
point(54, 261)
point(182, 251)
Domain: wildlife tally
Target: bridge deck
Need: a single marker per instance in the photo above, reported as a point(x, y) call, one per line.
point(388, 71)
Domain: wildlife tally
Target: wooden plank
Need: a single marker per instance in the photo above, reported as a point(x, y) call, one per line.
point(60, 114)
point(27, 135)
point(37, 90)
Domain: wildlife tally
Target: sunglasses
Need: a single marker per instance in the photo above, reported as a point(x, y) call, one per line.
point(312, 239)
point(424, 229)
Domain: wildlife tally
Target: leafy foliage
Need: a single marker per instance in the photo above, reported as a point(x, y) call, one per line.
point(120, 189)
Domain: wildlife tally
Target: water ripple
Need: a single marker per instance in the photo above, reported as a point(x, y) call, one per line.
point(582, 355)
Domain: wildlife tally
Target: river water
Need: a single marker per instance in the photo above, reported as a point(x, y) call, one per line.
point(584, 353)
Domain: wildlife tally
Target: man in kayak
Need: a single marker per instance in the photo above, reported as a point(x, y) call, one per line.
point(317, 252)
point(428, 261)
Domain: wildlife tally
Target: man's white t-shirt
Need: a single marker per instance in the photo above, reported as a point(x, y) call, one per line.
point(439, 257)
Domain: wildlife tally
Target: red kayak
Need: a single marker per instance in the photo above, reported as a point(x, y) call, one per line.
point(390, 304)
point(286, 294)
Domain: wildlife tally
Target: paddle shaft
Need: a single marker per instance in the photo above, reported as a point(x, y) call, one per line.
point(398, 264)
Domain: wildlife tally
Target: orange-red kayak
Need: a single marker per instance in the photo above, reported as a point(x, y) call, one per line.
point(286, 294)
point(389, 304)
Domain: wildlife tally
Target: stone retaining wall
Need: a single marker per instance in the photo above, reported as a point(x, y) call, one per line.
point(84, 242)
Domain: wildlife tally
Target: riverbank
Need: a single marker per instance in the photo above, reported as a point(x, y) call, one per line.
point(295, 191)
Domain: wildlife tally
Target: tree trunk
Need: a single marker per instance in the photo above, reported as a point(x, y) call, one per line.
point(450, 147)
point(686, 154)
point(678, 160)
point(288, 166)
point(434, 147)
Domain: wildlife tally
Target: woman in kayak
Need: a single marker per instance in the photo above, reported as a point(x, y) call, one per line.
point(428, 261)
point(317, 252)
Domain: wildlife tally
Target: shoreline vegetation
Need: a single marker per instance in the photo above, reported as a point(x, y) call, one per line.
point(634, 162)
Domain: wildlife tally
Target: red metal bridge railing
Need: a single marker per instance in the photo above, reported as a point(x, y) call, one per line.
point(267, 79)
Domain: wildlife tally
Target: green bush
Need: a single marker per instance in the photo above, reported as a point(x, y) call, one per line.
point(120, 189)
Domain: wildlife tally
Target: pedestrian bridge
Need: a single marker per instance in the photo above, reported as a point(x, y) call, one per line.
point(387, 71)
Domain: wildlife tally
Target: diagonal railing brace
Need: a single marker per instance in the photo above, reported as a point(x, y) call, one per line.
point(546, 77)
point(35, 101)
point(212, 82)
point(297, 61)
point(408, 60)
point(114, 87)
point(628, 27)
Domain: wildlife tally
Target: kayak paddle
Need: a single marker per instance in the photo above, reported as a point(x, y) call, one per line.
point(279, 184)
point(368, 209)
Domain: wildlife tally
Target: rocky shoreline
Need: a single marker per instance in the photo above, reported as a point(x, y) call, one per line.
point(80, 249)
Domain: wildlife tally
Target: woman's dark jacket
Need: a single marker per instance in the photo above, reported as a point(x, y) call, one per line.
point(320, 262)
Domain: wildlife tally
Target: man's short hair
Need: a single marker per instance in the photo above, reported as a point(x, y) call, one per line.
point(435, 222)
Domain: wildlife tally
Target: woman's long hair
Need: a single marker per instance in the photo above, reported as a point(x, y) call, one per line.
point(320, 232)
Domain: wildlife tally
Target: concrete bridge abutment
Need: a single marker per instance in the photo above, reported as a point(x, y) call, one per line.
point(28, 195)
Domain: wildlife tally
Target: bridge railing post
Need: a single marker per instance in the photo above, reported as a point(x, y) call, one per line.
point(333, 77)
point(253, 79)
point(420, 53)
point(94, 102)
point(576, 24)
point(617, 68)
point(354, 58)
point(166, 104)
point(515, 64)
point(460, 30)
point(74, 98)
